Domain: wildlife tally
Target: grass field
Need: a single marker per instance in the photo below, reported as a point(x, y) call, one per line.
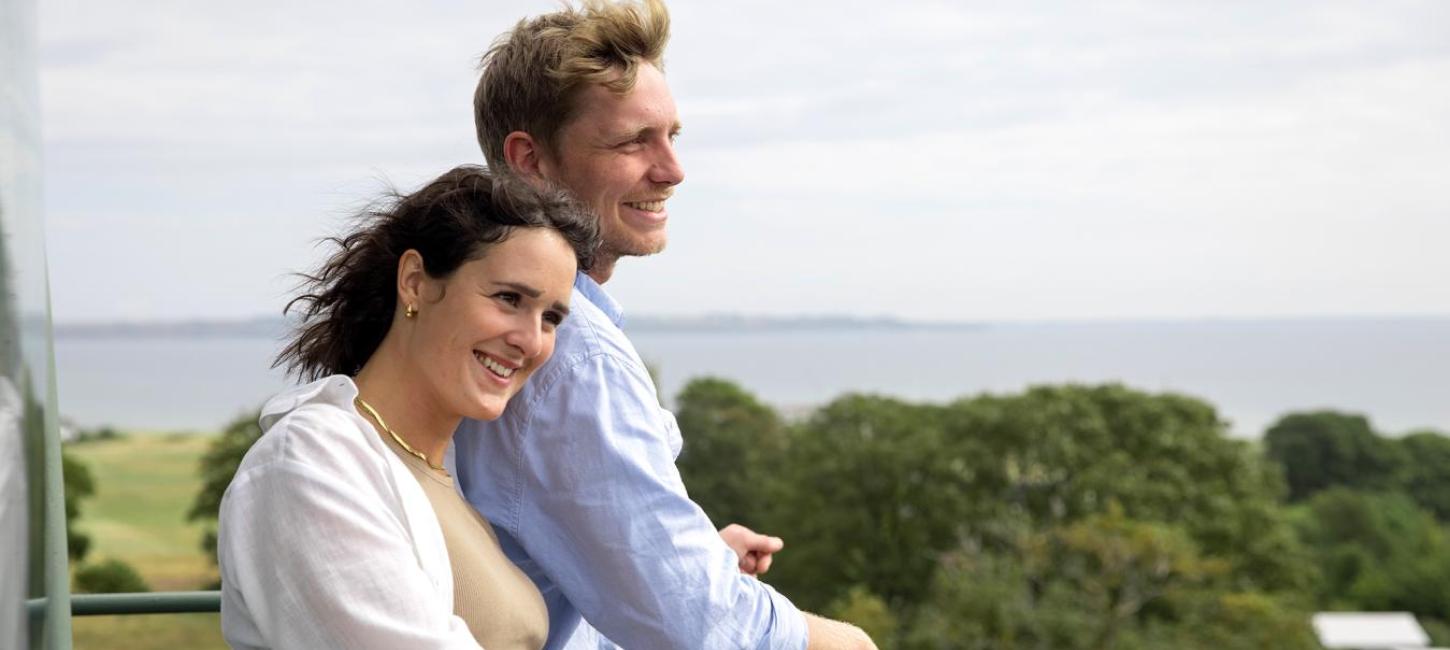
point(144, 486)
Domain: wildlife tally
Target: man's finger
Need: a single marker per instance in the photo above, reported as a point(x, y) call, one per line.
point(763, 543)
point(763, 564)
point(749, 563)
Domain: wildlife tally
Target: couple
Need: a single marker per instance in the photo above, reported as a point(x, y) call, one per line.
point(472, 311)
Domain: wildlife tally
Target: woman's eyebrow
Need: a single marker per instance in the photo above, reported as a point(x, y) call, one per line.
point(521, 288)
point(532, 293)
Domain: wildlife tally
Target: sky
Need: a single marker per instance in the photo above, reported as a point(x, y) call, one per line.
point(965, 161)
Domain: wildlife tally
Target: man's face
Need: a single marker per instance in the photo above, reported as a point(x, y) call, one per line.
point(618, 155)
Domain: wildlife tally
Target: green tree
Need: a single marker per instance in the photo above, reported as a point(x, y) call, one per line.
point(1116, 567)
point(871, 495)
point(1104, 581)
point(869, 612)
point(733, 445)
point(109, 577)
point(217, 468)
point(1057, 454)
point(1323, 449)
point(986, 599)
point(1425, 473)
point(78, 485)
point(1220, 620)
point(1377, 551)
point(876, 490)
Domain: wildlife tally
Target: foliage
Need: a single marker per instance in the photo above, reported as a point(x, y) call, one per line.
point(93, 435)
point(1425, 474)
point(1057, 454)
point(109, 577)
point(1102, 582)
point(1060, 517)
point(1230, 621)
point(867, 611)
point(1105, 581)
point(1438, 630)
point(217, 468)
point(1116, 567)
point(1323, 449)
point(1063, 514)
point(1377, 551)
point(986, 601)
point(872, 496)
point(78, 484)
point(733, 444)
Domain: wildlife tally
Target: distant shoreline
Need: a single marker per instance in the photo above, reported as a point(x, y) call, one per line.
point(277, 328)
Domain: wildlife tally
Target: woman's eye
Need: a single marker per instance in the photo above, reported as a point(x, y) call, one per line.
point(508, 297)
point(553, 318)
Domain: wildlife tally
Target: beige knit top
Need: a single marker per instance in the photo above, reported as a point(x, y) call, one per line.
point(501, 606)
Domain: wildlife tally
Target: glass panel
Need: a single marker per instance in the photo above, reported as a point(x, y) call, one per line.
point(32, 518)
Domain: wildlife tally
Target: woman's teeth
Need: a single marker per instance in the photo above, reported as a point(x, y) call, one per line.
point(493, 366)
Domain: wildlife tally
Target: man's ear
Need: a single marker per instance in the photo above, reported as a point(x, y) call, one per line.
point(411, 278)
point(524, 155)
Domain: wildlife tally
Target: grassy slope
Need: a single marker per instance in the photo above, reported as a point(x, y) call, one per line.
point(144, 486)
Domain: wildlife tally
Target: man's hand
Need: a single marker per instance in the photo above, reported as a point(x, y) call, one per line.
point(755, 550)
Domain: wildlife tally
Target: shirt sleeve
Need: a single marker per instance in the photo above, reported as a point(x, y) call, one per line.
point(604, 512)
point(316, 557)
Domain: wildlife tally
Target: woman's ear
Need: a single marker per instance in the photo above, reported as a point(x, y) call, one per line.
point(411, 279)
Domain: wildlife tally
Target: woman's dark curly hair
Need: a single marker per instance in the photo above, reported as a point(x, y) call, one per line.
point(347, 306)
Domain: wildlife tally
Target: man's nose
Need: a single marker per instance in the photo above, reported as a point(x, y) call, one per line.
point(667, 169)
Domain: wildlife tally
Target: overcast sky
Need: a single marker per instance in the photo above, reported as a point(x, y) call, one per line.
point(943, 161)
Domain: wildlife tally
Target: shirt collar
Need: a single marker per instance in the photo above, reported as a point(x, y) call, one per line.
point(594, 293)
point(337, 390)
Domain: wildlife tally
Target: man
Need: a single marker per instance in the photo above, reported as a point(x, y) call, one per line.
point(578, 475)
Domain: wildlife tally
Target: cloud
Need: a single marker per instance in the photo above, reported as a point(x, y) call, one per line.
point(948, 160)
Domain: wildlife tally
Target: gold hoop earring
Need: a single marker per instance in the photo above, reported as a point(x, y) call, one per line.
point(410, 312)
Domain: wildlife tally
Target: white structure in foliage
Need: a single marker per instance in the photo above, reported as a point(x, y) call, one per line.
point(1370, 631)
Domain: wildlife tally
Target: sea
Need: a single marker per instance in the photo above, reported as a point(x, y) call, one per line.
point(1394, 371)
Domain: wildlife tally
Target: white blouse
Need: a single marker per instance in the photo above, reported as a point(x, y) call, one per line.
point(325, 540)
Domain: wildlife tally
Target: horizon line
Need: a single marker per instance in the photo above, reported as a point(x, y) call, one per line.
point(878, 319)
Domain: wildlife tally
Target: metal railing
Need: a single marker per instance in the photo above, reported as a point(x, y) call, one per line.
point(159, 602)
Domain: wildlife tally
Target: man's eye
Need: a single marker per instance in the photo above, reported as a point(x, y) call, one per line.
point(553, 318)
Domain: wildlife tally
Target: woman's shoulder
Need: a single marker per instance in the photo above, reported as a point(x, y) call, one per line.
point(313, 428)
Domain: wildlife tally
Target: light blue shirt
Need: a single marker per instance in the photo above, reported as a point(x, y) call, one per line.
point(578, 478)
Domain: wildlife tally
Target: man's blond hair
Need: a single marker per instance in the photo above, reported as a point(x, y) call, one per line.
point(533, 74)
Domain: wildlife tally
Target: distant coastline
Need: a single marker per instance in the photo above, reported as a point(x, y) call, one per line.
point(267, 327)
point(197, 375)
point(276, 328)
point(251, 328)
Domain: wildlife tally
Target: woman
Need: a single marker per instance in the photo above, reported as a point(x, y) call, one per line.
point(342, 528)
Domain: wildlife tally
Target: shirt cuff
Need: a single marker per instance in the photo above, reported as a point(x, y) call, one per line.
point(790, 624)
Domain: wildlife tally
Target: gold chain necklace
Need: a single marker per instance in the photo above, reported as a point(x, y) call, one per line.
point(396, 438)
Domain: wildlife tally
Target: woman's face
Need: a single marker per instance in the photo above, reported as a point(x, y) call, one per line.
point(482, 331)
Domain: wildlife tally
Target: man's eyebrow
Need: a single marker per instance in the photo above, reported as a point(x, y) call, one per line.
point(636, 131)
